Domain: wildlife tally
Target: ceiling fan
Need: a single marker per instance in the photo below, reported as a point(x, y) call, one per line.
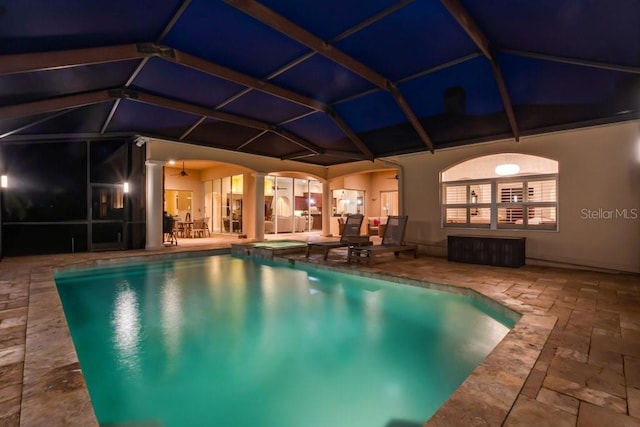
point(183, 172)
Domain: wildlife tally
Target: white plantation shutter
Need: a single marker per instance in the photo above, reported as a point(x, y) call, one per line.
point(456, 195)
point(543, 191)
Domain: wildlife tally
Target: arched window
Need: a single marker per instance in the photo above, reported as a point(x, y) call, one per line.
point(501, 191)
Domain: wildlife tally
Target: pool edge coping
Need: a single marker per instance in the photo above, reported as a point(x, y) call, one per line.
point(490, 390)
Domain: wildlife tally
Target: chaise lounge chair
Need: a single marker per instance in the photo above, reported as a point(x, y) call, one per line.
point(392, 241)
point(350, 236)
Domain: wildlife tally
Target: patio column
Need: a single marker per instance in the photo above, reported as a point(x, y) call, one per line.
point(154, 202)
point(326, 209)
point(259, 216)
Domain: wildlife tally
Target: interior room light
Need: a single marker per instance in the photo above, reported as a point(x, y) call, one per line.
point(125, 187)
point(4, 181)
point(172, 162)
point(507, 169)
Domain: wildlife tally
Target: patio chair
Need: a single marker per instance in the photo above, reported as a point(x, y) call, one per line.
point(205, 228)
point(168, 231)
point(178, 226)
point(197, 230)
point(392, 241)
point(350, 236)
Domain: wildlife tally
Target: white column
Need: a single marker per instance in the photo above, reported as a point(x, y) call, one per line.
point(327, 210)
point(259, 216)
point(154, 200)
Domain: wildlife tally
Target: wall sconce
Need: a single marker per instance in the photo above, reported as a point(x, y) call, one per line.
point(4, 181)
point(125, 187)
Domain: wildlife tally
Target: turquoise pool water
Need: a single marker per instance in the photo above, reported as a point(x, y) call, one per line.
point(224, 341)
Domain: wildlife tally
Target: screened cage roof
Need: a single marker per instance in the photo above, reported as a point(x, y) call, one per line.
point(319, 81)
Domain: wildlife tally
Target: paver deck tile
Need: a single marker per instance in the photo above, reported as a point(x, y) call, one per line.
point(575, 351)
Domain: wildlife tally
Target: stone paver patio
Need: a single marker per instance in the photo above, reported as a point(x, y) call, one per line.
point(573, 359)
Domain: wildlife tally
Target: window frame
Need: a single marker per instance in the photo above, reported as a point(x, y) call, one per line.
point(469, 205)
point(495, 203)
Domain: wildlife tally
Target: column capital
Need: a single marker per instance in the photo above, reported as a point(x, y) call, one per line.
point(259, 174)
point(154, 163)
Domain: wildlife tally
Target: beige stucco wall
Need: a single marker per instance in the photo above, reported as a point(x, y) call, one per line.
point(599, 182)
point(222, 171)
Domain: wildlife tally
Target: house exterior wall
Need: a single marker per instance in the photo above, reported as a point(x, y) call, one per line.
point(599, 197)
point(598, 183)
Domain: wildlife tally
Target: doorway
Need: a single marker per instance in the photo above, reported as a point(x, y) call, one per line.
point(178, 203)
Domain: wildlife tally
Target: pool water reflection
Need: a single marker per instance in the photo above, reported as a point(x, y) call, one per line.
point(237, 342)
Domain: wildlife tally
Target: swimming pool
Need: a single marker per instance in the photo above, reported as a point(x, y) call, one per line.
point(237, 342)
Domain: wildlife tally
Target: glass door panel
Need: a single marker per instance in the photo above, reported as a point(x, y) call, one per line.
point(236, 203)
point(217, 207)
point(388, 203)
point(301, 205)
point(284, 205)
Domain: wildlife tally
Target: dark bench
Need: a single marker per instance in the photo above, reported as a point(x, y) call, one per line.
point(487, 250)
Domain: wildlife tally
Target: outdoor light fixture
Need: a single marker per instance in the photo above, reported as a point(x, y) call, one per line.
point(125, 187)
point(507, 169)
point(4, 181)
point(140, 141)
point(474, 197)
